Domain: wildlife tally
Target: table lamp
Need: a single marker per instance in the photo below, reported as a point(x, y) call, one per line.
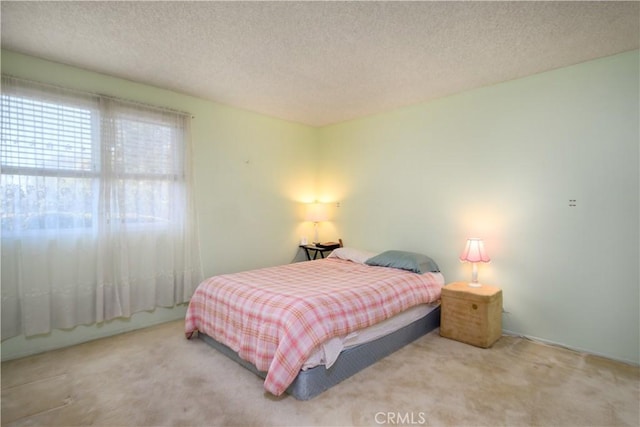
point(474, 253)
point(316, 212)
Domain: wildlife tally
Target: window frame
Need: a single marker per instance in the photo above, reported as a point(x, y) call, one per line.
point(96, 172)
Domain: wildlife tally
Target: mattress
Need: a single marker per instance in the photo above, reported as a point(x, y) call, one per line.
point(328, 352)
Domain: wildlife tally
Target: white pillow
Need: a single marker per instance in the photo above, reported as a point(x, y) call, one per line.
point(351, 254)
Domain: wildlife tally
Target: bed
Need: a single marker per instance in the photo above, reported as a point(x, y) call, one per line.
point(306, 326)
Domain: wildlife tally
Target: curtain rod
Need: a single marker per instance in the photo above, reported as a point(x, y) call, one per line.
point(114, 98)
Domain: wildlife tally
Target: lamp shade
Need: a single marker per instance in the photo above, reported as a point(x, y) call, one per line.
point(474, 251)
point(317, 212)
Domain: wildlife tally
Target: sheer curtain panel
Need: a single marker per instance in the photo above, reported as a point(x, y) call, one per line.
point(96, 205)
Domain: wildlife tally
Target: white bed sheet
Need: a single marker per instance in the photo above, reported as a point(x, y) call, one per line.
point(330, 350)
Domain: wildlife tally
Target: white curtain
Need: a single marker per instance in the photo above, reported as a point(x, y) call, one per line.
point(97, 213)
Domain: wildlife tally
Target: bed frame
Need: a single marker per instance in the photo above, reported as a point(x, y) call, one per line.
point(314, 381)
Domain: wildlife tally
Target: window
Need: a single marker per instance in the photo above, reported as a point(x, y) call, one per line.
point(56, 158)
point(97, 217)
point(49, 161)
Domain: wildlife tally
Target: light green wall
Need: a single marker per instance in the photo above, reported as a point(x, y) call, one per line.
point(502, 163)
point(251, 173)
point(499, 162)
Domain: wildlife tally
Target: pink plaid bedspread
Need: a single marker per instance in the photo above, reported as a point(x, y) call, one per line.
point(275, 317)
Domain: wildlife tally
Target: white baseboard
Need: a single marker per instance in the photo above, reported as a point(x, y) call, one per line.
point(578, 349)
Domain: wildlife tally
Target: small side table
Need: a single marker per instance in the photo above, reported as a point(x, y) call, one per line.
point(471, 315)
point(315, 250)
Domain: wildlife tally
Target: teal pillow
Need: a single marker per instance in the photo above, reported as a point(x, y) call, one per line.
point(409, 261)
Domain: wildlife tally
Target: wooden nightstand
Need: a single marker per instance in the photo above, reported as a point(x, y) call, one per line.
point(471, 315)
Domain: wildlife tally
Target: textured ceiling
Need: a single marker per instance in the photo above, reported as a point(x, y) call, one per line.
point(320, 62)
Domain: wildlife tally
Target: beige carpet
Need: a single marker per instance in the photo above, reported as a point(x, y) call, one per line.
point(155, 377)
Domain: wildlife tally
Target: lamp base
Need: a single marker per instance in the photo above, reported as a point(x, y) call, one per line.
point(474, 277)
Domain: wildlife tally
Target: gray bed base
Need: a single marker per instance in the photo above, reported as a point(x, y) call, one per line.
point(314, 381)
